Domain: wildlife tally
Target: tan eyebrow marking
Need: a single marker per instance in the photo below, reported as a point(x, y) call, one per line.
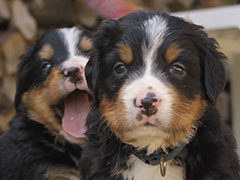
point(46, 52)
point(173, 52)
point(86, 43)
point(125, 53)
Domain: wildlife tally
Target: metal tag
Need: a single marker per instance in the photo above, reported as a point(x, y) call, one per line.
point(163, 165)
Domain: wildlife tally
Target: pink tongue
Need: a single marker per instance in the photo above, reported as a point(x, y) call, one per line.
point(76, 108)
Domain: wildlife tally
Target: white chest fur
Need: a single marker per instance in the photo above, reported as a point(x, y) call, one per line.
point(142, 171)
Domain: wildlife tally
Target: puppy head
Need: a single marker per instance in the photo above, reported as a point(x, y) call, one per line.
point(153, 75)
point(51, 84)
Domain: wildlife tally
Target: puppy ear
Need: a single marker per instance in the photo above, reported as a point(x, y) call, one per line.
point(92, 75)
point(107, 35)
point(22, 74)
point(214, 70)
point(103, 41)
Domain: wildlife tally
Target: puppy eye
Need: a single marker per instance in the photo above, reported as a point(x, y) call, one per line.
point(178, 70)
point(119, 68)
point(45, 66)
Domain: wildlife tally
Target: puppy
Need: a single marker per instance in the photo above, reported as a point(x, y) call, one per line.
point(52, 102)
point(156, 79)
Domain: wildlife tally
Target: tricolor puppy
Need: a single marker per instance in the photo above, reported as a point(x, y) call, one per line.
point(155, 79)
point(52, 102)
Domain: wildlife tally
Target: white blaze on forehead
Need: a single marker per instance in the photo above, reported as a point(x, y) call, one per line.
point(76, 61)
point(71, 37)
point(156, 29)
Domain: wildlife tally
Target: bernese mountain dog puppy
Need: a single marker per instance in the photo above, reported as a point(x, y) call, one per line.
point(52, 102)
point(155, 80)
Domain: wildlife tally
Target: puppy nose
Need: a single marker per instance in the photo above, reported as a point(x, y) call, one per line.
point(147, 104)
point(74, 74)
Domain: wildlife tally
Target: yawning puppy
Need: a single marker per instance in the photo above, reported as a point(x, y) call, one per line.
point(155, 79)
point(52, 102)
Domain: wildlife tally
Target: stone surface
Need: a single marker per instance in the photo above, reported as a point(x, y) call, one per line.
point(215, 3)
point(1, 69)
point(13, 46)
point(23, 20)
point(9, 87)
point(85, 15)
point(49, 13)
point(5, 119)
point(4, 11)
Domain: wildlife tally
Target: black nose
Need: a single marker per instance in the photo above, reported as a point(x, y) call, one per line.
point(147, 102)
point(73, 74)
point(148, 105)
point(72, 71)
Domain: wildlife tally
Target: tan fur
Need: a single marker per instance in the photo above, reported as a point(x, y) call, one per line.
point(114, 114)
point(86, 43)
point(46, 52)
point(125, 53)
point(62, 173)
point(181, 128)
point(173, 52)
point(151, 137)
point(186, 113)
point(39, 103)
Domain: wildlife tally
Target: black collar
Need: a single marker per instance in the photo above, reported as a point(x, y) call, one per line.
point(154, 158)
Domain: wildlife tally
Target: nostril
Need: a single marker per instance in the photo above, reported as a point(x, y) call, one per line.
point(148, 105)
point(154, 107)
point(80, 71)
point(137, 103)
point(147, 102)
point(72, 71)
point(73, 74)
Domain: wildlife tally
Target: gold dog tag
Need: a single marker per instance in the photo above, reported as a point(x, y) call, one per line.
point(163, 165)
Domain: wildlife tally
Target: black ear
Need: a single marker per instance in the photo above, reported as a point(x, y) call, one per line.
point(103, 41)
point(214, 69)
point(92, 75)
point(22, 71)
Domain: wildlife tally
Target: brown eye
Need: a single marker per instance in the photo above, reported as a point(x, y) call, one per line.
point(120, 69)
point(178, 69)
point(45, 66)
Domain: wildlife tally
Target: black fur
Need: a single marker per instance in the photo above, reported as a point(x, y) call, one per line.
point(28, 149)
point(211, 152)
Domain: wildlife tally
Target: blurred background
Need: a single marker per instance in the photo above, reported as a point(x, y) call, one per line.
point(23, 21)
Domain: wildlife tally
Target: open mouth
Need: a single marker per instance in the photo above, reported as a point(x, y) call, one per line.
point(72, 111)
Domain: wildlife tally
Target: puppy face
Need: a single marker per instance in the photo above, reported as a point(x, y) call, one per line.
point(153, 75)
point(51, 84)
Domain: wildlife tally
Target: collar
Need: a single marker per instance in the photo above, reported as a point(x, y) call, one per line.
point(158, 157)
